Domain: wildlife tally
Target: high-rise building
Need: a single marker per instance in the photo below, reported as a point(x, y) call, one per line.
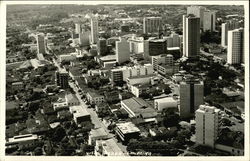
point(146, 49)
point(94, 30)
point(102, 47)
point(136, 45)
point(235, 49)
point(40, 44)
point(151, 24)
point(209, 20)
point(225, 27)
point(157, 47)
point(176, 39)
point(62, 78)
point(77, 28)
point(191, 36)
point(122, 50)
point(197, 11)
point(191, 96)
point(206, 118)
point(84, 38)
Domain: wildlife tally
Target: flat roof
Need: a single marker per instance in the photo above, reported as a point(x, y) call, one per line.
point(142, 76)
point(112, 148)
point(140, 107)
point(173, 48)
point(79, 111)
point(108, 57)
point(20, 138)
point(157, 40)
point(165, 99)
point(71, 98)
point(98, 132)
point(127, 127)
point(17, 83)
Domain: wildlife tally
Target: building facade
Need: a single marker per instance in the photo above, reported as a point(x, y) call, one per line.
point(40, 44)
point(151, 24)
point(122, 51)
point(197, 11)
point(209, 20)
point(94, 30)
point(235, 49)
point(191, 36)
point(225, 27)
point(102, 47)
point(191, 97)
point(157, 47)
point(207, 120)
point(62, 79)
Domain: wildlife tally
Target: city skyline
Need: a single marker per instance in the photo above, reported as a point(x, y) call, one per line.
point(126, 80)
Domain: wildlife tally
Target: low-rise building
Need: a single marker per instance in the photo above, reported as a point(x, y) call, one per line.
point(167, 69)
point(163, 103)
point(22, 138)
point(80, 114)
point(17, 86)
point(126, 131)
point(138, 108)
point(107, 148)
point(72, 100)
point(145, 79)
point(97, 134)
point(94, 98)
point(139, 89)
point(60, 104)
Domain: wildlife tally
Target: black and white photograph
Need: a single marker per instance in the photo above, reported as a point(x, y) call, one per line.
point(125, 79)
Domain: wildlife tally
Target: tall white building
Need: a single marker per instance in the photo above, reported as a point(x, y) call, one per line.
point(136, 45)
point(209, 20)
point(191, 36)
point(40, 44)
point(77, 28)
point(191, 96)
point(151, 24)
point(197, 11)
point(94, 30)
point(206, 118)
point(225, 27)
point(122, 50)
point(235, 49)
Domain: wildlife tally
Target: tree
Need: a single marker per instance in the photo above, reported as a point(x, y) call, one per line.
point(170, 118)
point(38, 151)
point(59, 134)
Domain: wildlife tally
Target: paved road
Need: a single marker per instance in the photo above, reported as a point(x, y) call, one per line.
point(94, 118)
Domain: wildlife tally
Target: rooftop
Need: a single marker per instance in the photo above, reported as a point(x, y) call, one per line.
point(111, 147)
point(207, 109)
point(140, 107)
point(165, 99)
point(127, 127)
point(94, 94)
point(108, 58)
point(100, 132)
point(71, 98)
point(79, 111)
point(21, 138)
point(142, 76)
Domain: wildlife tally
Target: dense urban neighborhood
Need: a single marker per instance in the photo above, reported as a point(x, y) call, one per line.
point(125, 80)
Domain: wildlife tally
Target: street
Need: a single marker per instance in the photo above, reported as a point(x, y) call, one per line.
point(94, 118)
